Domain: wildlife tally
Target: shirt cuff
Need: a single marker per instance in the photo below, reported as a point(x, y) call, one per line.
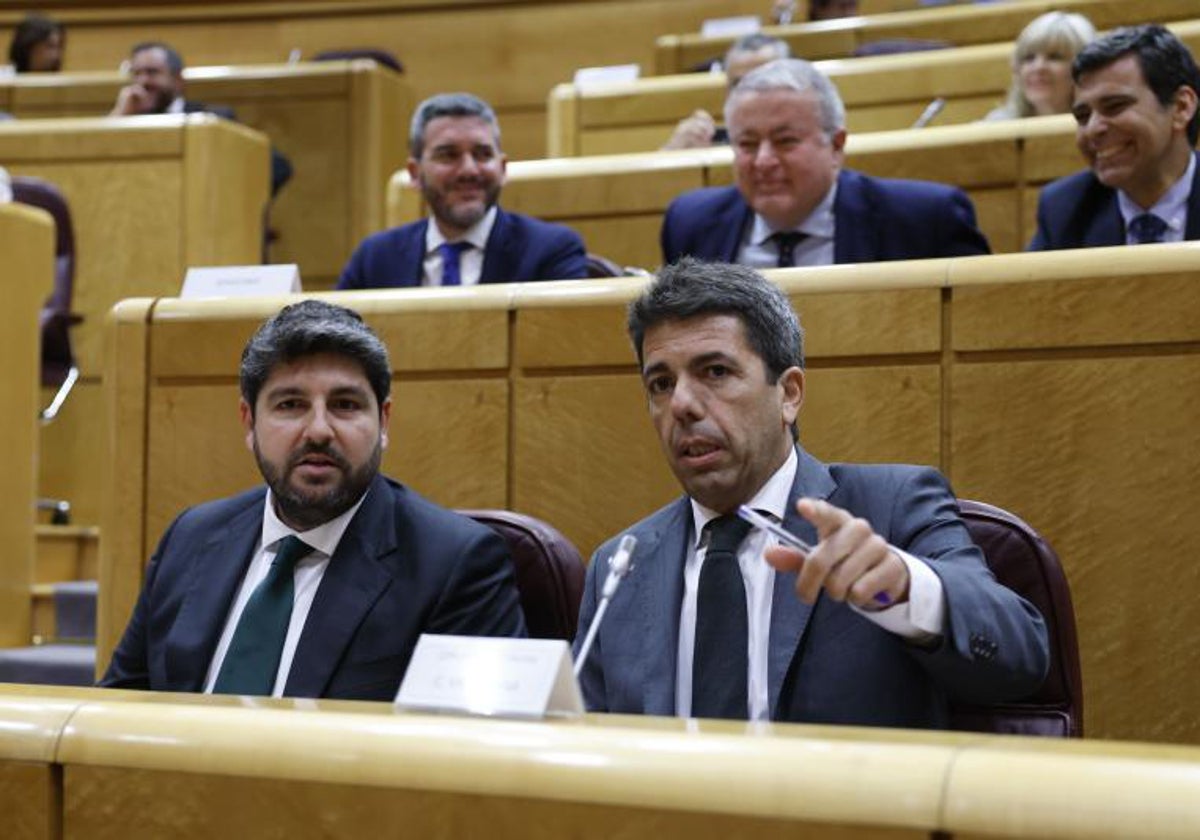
point(921, 618)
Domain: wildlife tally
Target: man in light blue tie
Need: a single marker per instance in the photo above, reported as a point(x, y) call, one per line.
point(1137, 115)
point(456, 162)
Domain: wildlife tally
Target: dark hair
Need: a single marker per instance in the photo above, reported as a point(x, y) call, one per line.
point(306, 329)
point(1166, 63)
point(174, 59)
point(447, 105)
point(29, 33)
point(692, 288)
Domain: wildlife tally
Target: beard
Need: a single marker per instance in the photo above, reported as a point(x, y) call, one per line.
point(460, 216)
point(305, 509)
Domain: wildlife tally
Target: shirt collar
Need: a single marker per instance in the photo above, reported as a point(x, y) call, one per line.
point(771, 498)
point(477, 234)
point(1171, 208)
point(818, 224)
point(324, 538)
point(176, 106)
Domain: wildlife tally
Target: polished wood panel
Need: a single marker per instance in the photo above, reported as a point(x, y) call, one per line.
point(66, 552)
point(506, 41)
point(959, 25)
point(27, 242)
point(1058, 385)
point(342, 124)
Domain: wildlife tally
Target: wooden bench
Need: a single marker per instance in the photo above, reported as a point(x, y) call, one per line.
point(1059, 386)
point(510, 52)
point(149, 197)
point(617, 201)
point(342, 124)
point(27, 242)
point(960, 25)
point(880, 93)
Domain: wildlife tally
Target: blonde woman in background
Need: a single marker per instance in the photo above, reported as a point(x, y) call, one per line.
point(1042, 59)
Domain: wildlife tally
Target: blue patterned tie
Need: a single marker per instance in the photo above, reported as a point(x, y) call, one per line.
point(451, 265)
point(252, 661)
point(720, 661)
point(1147, 228)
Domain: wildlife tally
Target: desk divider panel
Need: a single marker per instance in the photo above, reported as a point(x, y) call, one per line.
point(27, 243)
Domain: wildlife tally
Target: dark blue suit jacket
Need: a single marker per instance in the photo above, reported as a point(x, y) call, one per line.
point(404, 566)
point(826, 663)
point(1079, 212)
point(875, 219)
point(520, 248)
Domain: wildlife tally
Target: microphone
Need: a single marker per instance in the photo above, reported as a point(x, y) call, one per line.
point(618, 566)
point(931, 110)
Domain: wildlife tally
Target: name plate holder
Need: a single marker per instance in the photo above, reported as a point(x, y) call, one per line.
point(521, 678)
point(240, 281)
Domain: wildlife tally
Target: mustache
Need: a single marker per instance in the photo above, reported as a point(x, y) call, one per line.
point(324, 450)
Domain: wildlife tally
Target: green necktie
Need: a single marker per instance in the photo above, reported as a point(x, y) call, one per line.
point(253, 657)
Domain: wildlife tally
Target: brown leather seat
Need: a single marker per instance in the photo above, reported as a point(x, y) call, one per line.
point(1022, 561)
point(549, 571)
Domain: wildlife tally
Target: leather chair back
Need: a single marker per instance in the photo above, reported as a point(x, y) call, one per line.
point(1021, 560)
point(56, 317)
point(549, 571)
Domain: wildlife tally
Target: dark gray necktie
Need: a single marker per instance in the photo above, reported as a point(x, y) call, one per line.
point(720, 661)
point(252, 660)
point(1147, 228)
point(786, 241)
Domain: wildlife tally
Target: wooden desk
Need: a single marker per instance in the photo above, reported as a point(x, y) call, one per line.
point(1059, 385)
point(960, 25)
point(616, 202)
point(343, 125)
point(510, 52)
point(881, 93)
point(120, 763)
point(149, 197)
point(27, 242)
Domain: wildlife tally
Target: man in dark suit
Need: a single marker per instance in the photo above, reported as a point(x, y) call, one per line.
point(157, 87)
point(1137, 124)
point(793, 204)
point(891, 613)
point(456, 162)
point(319, 584)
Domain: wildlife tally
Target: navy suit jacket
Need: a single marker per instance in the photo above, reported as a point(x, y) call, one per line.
point(1079, 212)
point(519, 249)
point(875, 219)
point(404, 566)
point(827, 663)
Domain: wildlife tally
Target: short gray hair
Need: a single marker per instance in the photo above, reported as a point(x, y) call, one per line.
point(756, 41)
point(798, 75)
point(447, 105)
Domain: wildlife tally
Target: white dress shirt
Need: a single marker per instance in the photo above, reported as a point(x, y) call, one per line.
point(760, 251)
point(306, 578)
point(1171, 208)
point(920, 618)
point(470, 262)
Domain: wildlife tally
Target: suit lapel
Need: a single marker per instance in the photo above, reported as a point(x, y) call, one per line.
point(854, 227)
point(497, 256)
point(354, 580)
point(661, 596)
point(410, 256)
point(729, 227)
point(1192, 231)
point(789, 615)
point(1106, 227)
point(216, 572)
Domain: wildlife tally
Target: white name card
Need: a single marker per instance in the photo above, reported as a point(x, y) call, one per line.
point(586, 76)
point(240, 280)
point(730, 27)
point(526, 678)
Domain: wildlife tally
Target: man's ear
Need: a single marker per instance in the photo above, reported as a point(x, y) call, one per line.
point(1184, 108)
point(838, 141)
point(385, 416)
point(413, 167)
point(791, 382)
point(247, 415)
